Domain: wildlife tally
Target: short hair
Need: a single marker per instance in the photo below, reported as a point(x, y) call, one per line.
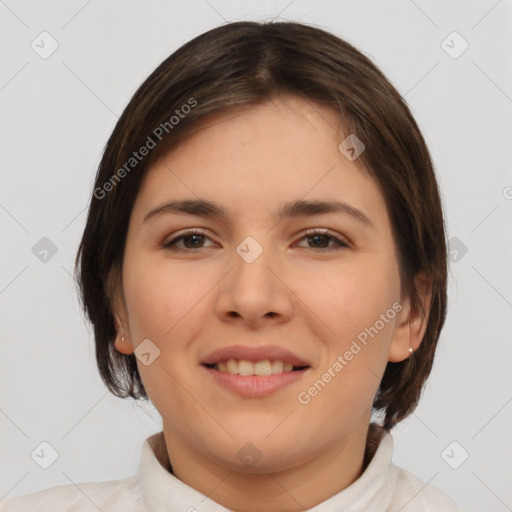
point(243, 64)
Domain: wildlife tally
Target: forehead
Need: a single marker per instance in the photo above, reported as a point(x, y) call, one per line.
point(253, 158)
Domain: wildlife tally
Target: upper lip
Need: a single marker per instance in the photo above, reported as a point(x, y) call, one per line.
point(254, 354)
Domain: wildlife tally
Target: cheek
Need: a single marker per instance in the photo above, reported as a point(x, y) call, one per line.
point(166, 304)
point(349, 298)
point(352, 303)
point(161, 296)
point(349, 303)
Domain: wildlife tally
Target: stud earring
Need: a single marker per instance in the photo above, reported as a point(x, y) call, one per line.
point(410, 350)
point(122, 339)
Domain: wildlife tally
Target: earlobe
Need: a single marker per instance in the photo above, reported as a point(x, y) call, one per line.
point(401, 343)
point(411, 323)
point(123, 343)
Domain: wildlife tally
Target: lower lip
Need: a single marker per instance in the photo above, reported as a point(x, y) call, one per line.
point(255, 386)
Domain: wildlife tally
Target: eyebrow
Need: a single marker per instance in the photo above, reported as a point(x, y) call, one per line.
point(299, 208)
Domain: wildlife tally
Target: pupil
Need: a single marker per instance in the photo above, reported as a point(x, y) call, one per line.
point(318, 240)
point(193, 240)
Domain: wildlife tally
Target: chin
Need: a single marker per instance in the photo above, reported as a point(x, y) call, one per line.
point(256, 461)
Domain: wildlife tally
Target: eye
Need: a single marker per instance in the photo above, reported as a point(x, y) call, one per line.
point(192, 239)
point(316, 238)
point(320, 239)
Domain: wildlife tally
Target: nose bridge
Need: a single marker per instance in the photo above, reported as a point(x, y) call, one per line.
point(253, 290)
point(250, 250)
point(252, 262)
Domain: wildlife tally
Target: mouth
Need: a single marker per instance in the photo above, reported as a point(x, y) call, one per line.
point(254, 360)
point(254, 372)
point(250, 379)
point(258, 368)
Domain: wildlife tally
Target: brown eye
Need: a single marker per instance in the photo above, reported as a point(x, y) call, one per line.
point(189, 240)
point(322, 240)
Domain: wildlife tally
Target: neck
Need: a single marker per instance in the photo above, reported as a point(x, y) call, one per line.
point(293, 489)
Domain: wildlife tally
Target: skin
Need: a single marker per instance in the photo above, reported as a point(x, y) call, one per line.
point(192, 301)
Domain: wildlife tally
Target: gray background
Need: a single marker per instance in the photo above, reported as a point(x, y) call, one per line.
point(57, 114)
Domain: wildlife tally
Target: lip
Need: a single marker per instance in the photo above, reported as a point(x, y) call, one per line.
point(254, 354)
point(255, 386)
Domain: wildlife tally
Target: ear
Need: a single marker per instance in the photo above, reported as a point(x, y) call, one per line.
point(123, 342)
point(411, 325)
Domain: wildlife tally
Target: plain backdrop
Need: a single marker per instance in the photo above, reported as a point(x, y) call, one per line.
point(56, 115)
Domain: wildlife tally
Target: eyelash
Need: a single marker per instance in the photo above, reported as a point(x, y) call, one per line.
point(171, 244)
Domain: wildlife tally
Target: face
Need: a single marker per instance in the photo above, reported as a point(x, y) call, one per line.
point(220, 293)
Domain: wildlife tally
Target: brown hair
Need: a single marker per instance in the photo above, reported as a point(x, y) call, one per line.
point(243, 64)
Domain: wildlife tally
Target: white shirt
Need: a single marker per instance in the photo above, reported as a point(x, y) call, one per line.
point(383, 487)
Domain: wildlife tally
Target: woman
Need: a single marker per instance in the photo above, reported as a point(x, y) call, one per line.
point(265, 260)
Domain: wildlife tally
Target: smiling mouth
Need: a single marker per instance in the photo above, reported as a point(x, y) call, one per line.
point(258, 368)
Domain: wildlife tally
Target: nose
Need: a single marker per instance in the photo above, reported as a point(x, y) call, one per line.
point(255, 292)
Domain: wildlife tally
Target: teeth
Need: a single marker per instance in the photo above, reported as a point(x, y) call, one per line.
point(277, 366)
point(260, 368)
point(232, 367)
point(245, 368)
